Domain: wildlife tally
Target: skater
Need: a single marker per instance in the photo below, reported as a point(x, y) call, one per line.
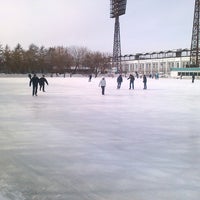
point(119, 81)
point(34, 81)
point(29, 75)
point(145, 82)
point(137, 75)
point(132, 79)
point(193, 77)
point(102, 84)
point(42, 82)
point(90, 78)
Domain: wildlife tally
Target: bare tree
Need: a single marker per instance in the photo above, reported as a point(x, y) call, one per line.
point(98, 62)
point(61, 59)
point(78, 54)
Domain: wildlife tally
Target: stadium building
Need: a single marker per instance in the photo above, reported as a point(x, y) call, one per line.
point(174, 63)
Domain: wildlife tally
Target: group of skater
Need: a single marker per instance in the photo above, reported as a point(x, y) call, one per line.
point(35, 81)
point(131, 77)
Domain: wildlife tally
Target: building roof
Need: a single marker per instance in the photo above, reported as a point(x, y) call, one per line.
point(192, 69)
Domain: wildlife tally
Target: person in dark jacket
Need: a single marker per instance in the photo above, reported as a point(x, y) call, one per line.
point(145, 82)
point(119, 81)
point(90, 77)
point(132, 79)
point(29, 75)
point(34, 82)
point(193, 77)
point(42, 82)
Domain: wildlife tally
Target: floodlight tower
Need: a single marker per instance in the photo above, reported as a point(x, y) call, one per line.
point(195, 44)
point(117, 8)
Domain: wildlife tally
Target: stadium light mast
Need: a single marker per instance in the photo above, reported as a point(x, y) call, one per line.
point(195, 44)
point(117, 8)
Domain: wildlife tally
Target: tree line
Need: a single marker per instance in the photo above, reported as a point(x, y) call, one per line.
point(52, 60)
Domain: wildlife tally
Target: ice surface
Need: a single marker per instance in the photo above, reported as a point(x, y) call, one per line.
point(72, 143)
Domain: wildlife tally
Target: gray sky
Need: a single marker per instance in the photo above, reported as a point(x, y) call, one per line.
point(148, 25)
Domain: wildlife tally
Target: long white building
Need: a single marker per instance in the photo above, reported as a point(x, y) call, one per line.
point(163, 62)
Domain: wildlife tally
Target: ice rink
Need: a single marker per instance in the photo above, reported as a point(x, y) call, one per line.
point(72, 143)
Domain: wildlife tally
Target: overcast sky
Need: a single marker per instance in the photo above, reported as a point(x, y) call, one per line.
point(148, 25)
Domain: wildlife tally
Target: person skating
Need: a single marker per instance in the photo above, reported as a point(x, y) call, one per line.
point(102, 84)
point(34, 82)
point(137, 75)
point(193, 77)
point(119, 81)
point(132, 79)
point(42, 82)
point(29, 75)
point(145, 82)
point(90, 78)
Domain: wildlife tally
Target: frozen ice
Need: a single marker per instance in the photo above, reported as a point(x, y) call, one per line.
point(71, 142)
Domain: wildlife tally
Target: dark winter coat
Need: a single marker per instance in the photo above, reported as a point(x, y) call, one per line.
point(34, 81)
point(42, 81)
point(120, 79)
point(144, 79)
point(132, 78)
